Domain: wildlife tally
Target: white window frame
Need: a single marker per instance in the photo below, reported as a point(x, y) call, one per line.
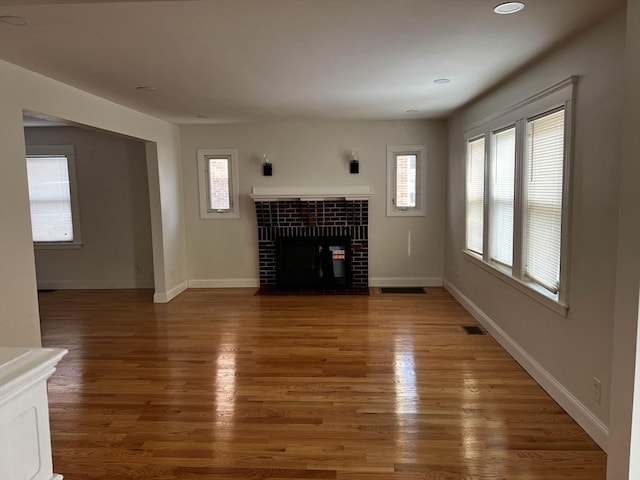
point(420, 151)
point(206, 213)
point(560, 95)
point(69, 152)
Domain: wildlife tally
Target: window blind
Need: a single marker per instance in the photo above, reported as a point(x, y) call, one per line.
point(50, 198)
point(502, 197)
point(475, 195)
point(219, 184)
point(406, 181)
point(543, 215)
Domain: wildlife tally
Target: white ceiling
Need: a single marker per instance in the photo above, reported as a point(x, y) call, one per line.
point(248, 60)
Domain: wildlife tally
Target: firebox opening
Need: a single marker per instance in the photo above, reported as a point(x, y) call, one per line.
point(318, 263)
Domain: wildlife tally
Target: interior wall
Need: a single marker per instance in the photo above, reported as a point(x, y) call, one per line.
point(115, 222)
point(21, 89)
point(623, 460)
point(224, 252)
point(569, 351)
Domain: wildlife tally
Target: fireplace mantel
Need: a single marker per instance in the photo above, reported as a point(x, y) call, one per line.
point(311, 193)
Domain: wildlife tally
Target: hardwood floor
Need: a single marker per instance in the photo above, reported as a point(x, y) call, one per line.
point(221, 384)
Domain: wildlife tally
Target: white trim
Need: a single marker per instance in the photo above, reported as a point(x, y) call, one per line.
point(311, 193)
point(57, 477)
point(530, 289)
point(93, 284)
point(420, 209)
point(405, 281)
point(232, 154)
point(570, 81)
point(224, 283)
point(57, 245)
point(171, 293)
point(596, 429)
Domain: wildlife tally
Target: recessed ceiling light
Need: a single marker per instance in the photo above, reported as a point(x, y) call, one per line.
point(13, 20)
point(412, 111)
point(146, 89)
point(442, 80)
point(508, 8)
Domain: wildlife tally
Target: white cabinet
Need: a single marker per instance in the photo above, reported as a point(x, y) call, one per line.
point(25, 440)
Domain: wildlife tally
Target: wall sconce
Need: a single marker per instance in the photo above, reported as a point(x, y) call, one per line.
point(267, 167)
point(354, 166)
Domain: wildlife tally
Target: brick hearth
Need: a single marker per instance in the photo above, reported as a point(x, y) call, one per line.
point(301, 218)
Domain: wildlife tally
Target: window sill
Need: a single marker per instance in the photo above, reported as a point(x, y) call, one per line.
point(413, 212)
point(220, 216)
point(533, 291)
point(57, 245)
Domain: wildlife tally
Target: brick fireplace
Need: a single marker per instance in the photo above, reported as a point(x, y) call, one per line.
point(308, 212)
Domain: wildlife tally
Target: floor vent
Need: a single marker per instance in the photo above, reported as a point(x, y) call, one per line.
point(472, 330)
point(402, 290)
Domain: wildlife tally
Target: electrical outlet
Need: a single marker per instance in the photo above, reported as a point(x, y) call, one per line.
point(596, 391)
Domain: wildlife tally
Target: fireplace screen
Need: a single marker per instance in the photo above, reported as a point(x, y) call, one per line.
point(313, 263)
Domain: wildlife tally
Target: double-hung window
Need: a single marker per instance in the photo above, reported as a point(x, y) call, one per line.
point(406, 180)
point(218, 179)
point(53, 196)
point(517, 187)
point(475, 194)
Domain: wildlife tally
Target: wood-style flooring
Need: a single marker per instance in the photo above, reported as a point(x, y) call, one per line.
point(222, 384)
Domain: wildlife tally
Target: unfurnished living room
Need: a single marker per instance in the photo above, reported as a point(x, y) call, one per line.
point(319, 239)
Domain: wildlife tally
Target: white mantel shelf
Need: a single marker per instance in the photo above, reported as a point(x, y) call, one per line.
point(25, 439)
point(311, 193)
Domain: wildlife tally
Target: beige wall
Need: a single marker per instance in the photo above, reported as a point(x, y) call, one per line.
point(224, 252)
point(22, 89)
point(115, 222)
point(570, 351)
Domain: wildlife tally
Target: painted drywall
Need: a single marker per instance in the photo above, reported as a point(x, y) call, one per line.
point(625, 411)
point(574, 349)
point(115, 222)
point(224, 252)
point(22, 89)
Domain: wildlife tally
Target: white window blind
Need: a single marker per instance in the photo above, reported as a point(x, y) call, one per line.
point(406, 181)
point(475, 195)
point(502, 197)
point(543, 215)
point(219, 170)
point(50, 198)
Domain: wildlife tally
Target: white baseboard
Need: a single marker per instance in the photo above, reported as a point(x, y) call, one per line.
point(56, 477)
point(171, 294)
point(576, 409)
point(223, 282)
point(405, 281)
point(93, 284)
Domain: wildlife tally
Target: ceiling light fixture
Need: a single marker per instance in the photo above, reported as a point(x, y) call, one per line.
point(441, 81)
point(15, 21)
point(202, 116)
point(146, 89)
point(412, 111)
point(508, 8)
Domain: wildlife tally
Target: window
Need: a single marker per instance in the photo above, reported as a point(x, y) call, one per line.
point(543, 224)
point(218, 178)
point(53, 198)
point(524, 217)
point(502, 196)
point(406, 180)
point(475, 195)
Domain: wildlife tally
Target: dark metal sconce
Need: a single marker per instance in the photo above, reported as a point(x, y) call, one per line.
point(354, 165)
point(267, 166)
